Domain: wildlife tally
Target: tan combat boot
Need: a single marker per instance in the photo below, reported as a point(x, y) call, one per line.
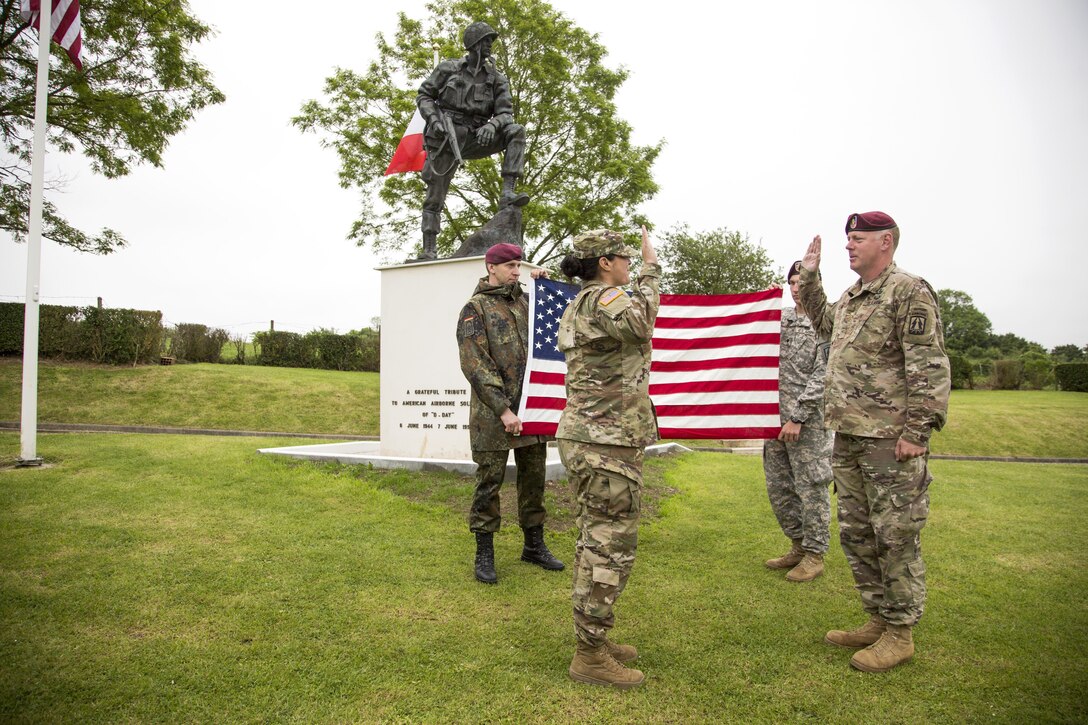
point(863, 636)
point(621, 652)
point(810, 567)
point(593, 665)
point(788, 560)
point(894, 647)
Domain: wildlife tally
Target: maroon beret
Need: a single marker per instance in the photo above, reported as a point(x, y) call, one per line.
point(502, 253)
point(870, 221)
point(795, 268)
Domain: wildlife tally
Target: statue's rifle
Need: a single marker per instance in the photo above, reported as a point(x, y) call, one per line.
point(451, 139)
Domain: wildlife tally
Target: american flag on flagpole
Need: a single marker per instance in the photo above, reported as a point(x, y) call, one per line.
point(713, 374)
point(64, 22)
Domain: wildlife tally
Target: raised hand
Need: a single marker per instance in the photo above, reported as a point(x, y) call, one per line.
point(649, 256)
point(811, 260)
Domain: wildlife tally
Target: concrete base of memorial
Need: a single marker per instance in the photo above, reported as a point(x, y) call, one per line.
point(368, 453)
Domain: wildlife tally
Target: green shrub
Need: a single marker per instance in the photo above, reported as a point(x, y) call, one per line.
point(1008, 374)
point(105, 335)
point(284, 350)
point(197, 343)
point(1072, 377)
point(1037, 371)
point(961, 372)
point(120, 336)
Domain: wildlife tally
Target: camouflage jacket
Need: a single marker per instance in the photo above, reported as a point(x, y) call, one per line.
point(802, 363)
point(471, 99)
point(887, 372)
point(605, 336)
point(492, 336)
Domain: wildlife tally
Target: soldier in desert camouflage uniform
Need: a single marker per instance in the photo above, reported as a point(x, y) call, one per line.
point(887, 387)
point(609, 419)
point(492, 335)
point(797, 464)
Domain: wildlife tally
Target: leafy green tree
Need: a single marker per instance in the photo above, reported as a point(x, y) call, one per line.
point(581, 169)
point(1068, 353)
point(714, 262)
point(1010, 345)
point(138, 88)
point(964, 325)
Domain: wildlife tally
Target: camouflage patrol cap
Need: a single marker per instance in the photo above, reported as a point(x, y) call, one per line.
point(600, 243)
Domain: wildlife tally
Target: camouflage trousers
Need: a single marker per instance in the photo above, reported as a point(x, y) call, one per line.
point(491, 469)
point(608, 485)
point(883, 505)
point(798, 475)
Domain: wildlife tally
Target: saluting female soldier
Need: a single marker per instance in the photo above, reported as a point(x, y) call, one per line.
point(605, 336)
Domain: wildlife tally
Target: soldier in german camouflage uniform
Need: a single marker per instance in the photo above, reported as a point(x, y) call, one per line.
point(475, 98)
point(608, 421)
point(888, 381)
point(492, 335)
point(798, 464)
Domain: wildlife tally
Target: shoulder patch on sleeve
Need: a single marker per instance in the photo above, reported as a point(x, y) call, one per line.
point(613, 302)
point(610, 295)
point(922, 322)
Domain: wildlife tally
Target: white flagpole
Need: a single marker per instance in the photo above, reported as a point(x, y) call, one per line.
point(28, 455)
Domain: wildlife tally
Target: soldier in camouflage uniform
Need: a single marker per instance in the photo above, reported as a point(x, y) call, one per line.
point(887, 387)
point(475, 98)
point(492, 336)
point(608, 421)
point(798, 464)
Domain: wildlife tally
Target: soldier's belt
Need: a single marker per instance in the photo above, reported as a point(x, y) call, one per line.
point(467, 119)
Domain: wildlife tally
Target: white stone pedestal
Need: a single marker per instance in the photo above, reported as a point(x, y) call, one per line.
point(424, 396)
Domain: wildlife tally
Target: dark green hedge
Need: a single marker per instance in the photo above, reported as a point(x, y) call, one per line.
point(962, 372)
point(102, 335)
point(1008, 374)
point(318, 349)
point(1072, 377)
point(197, 343)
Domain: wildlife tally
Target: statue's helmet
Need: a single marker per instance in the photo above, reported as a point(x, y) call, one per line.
point(477, 32)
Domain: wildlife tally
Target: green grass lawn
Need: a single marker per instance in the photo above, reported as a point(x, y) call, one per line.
point(982, 422)
point(1049, 424)
point(242, 397)
point(174, 578)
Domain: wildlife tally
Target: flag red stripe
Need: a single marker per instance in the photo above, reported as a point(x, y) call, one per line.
point(731, 362)
point(542, 378)
point(734, 433)
point(688, 323)
point(719, 300)
point(546, 403)
point(709, 343)
point(713, 386)
point(672, 411)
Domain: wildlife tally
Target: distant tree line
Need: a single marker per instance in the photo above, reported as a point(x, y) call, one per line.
point(981, 358)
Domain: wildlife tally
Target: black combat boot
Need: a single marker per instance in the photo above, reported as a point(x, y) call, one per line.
point(536, 551)
point(485, 558)
point(509, 196)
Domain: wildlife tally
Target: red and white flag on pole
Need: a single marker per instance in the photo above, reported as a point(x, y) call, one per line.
point(65, 24)
point(713, 374)
point(409, 155)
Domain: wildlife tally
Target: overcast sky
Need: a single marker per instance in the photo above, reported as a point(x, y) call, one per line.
point(964, 119)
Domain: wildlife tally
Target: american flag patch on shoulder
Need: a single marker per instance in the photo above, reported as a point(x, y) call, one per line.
point(611, 295)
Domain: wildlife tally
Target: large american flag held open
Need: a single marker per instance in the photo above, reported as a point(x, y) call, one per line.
point(713, 374)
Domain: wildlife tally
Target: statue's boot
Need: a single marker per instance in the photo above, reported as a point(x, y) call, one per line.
point(510, 197)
